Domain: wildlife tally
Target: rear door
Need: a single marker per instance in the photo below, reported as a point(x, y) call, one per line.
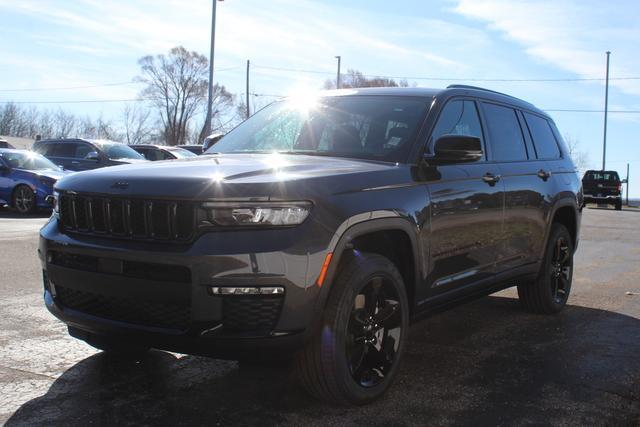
point(527, 183)
point(466, 208)
point(61, 153)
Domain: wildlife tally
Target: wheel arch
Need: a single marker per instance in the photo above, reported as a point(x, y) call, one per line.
point(566, 213)
point(360, 237)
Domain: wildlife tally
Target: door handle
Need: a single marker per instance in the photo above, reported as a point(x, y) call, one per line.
point(491, 179)
point(75, 162)
point(543, 174)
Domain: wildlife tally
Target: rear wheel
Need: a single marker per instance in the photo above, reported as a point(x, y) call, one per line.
point(24, 199)
point(619, 205)
point(354, 357)
point(550, 291)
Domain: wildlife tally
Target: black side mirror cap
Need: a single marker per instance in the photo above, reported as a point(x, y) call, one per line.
point(450, 149)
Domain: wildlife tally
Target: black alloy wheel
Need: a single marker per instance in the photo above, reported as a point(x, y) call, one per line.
point(373, 332)
point(354, 355)
point(550, 291)
point(24, 199)
point(561, 269)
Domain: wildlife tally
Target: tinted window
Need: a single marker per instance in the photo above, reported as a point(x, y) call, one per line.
point(82, 150)
point(117, 150)
point(62, 150)
point(601, 176)
point(458, 118)
point(543, 139)
point(370, 127)
point(505, 133)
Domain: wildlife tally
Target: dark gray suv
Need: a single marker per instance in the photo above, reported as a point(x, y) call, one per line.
point(77, 154)
point(317, 230)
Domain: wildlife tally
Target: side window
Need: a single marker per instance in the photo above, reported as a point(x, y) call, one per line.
point(45, 149)
point(63, 150)
point(82, 150)
point(458, 118)
point(505, 133)
point(542, 136)
point(164, 155)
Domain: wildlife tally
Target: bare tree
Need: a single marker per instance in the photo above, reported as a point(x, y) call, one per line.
point(580, 158)
point(176, 84)
point(136, 126)
point(355, 78)
point(64, 124)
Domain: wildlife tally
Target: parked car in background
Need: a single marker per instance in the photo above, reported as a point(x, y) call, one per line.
point(195, 149)
point(211, 140)
point(602, 187)
point(322, 242)
point(5, 144)
point(162, 152)
point(85, 154)
point(26, 179)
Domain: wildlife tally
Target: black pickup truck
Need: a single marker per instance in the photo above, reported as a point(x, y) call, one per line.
point(602, 187)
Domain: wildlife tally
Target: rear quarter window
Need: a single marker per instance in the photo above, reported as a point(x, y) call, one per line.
point(543, 138)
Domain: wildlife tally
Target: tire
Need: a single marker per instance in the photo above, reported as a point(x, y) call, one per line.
point(619, 205)
point(549, 293)
point(354, 356)
point(24, 200)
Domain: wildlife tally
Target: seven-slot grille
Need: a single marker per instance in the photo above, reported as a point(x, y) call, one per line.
point(127, 218)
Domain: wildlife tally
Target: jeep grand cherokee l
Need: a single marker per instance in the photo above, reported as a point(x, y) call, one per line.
point(317, 230)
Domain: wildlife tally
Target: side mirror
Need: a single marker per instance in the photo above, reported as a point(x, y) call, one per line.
point(4, 168)
point(456, 149)
point(93, 156)
point(624, 181)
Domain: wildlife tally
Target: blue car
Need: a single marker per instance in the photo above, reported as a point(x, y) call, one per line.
point(26, 179)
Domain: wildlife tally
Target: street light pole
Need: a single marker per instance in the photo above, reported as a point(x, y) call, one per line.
point(207, 120)
point(338, 57)
point(606, 108)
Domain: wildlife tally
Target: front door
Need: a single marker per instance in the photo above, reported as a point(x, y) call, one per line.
point(466, 208)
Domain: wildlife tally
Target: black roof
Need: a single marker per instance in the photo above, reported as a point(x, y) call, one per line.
point(158, 146)
point(452, 90)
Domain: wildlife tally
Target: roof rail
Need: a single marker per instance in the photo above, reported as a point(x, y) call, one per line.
point(487, 90)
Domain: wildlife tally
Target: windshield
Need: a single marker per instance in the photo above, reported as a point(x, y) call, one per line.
point(181, 153)
point(367, 127)
point(602, 176)
point(28, 161)
point(116, 150)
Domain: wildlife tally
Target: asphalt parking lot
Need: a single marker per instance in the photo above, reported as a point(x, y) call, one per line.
point(484, 363)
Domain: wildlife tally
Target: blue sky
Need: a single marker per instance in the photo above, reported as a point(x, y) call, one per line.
point(48, 44)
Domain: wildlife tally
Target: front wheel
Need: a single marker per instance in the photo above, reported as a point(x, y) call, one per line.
point(24, 199)
point(550, 291)
point(354, 356)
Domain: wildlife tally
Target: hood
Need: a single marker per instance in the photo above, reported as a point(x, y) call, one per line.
point(56, 175)
point(230, 175)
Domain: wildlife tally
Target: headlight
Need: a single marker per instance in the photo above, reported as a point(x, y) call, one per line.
point(53, 201)
point(47, 181)
point(256, 213)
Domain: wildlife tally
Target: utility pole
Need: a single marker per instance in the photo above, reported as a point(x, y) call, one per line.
point(606, 108)
point(207, 120)
point(247, 91)
point(627, 184)
point(338, 57)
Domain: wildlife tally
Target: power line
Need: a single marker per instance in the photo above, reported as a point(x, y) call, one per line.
point(576, 79)
point(68, 87)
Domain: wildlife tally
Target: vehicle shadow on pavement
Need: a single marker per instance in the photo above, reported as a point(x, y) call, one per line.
point(486, 362)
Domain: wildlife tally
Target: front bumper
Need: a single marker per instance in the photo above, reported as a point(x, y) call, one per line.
point(161, 294)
